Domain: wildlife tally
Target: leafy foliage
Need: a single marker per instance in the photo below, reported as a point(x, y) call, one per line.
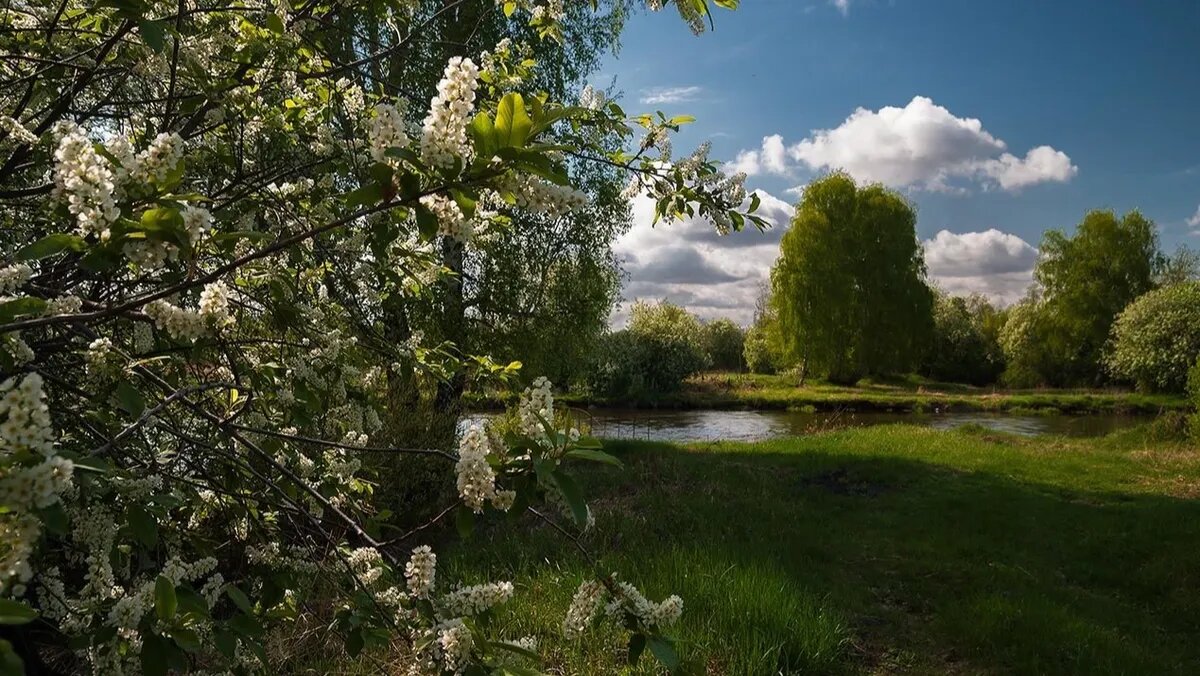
point(849, 285)
point(663, 345)
point(1156, 339)
point(965, 347)
point(723, 344)
point(1086, 280)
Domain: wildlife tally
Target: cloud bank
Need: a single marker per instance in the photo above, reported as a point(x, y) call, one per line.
point(922, 145)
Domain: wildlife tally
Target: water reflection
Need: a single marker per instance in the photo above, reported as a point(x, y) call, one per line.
point(659, 425)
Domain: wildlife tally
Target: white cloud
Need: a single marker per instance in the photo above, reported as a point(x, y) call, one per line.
point(688, 263)
point(771, 158)
point(1040, 164)
point(996, 264)
point(843, 6)
point(658, 95)
point(1194, 221)
point(922, 145)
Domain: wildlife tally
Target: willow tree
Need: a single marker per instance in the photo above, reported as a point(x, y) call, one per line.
point(849, 285)
point(210, 212)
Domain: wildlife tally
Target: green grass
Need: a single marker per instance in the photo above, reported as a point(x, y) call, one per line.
point(882, 550)
point(743, 390)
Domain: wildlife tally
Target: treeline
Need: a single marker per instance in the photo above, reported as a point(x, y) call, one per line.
point(849, 298)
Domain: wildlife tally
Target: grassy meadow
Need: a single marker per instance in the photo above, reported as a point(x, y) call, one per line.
point(882, 550)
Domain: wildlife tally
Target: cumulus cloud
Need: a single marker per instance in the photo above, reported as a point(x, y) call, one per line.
point(1194, 221)
point(996, 264)
point(922, 145)
point(659, 95)
point(688, 263)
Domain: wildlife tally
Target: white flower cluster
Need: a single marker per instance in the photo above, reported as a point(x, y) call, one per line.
point(585, 606)
point(552, 11)
point(197, 221)
point(476, 478)
point(630, 600)
point(592, 98)
point(21, 352)
point(451, 221)
point(619, 600)
point(387, 130)
point(13, 277)
point(536, 404)
point(64, 305)
point(86, 180)
point(477, 598)
point(544, 197)
point(17, 130)
point(444, 134)
point(183, 324)
point(32, 475)
point(421, 571)
point(158, 160)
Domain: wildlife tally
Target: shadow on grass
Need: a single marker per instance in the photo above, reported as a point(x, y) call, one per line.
point(852, 553)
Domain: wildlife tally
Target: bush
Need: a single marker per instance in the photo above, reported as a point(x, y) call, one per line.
point(662, 346)
point(963, 351)
point(724, 343)
point(1157, 338)
point(1194, 390)
point(757, 351)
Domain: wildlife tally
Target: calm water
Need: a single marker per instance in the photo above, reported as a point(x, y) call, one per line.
point(660, 425)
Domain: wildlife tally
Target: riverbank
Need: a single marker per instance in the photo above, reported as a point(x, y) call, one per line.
point(890, 549)
point(727, 391)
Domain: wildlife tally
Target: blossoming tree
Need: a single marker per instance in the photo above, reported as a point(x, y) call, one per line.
point(211, 213)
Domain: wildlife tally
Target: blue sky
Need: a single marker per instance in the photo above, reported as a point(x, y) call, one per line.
point(998, 119)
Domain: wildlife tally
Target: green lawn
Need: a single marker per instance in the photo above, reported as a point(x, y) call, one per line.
point(753, 391)
point(883, 550)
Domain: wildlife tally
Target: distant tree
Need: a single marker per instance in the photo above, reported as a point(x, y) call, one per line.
point(1086, 280)
point(965, 346)
point(1182, 266)
point(663, 345)
point(1157, 338)
point(723, 343)
point(849, 285)
point(763, 348)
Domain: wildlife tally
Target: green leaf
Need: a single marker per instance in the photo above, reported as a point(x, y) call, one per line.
point(592, 455)
point(54, 518)
point(427, 222)
point(164, 224)
point(275, 23)
point(226, 642)
point(483, 132)
point(573, 496)
point(509, 7)
point(637, 645)
point(15, 612)
point(155, 654)
point(187, 639)
point(21, 307)
point(239, 599)
point(143, 526)
point(464, 520)
point(354, 642)
point(153, 34)
point(364, 196)
point(681, 120)
point(130, 399)
point(11, 663)
point(664, 651)
point(50, 245)
point(512, 122)
point(754, 201)
point(165, 602)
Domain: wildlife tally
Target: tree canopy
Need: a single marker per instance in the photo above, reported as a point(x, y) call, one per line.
point(849, 285)
point(1086, 279)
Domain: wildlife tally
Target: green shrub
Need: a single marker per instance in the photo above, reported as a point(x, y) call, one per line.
point(1194, 390)
point(757, 351)
point(963, 350)
point(724, 342)
point(662, 346)
point(1157, 338)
